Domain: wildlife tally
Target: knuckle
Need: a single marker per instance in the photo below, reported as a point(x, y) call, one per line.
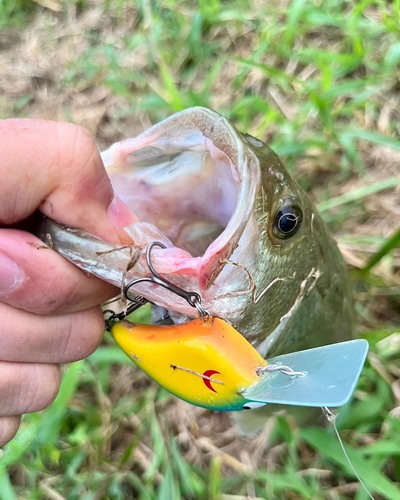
point(62, 344)
point(81, 146)
point(8, 428)
point(42, 388)
point(82, 335)
point(91, 336)
point(58, 297)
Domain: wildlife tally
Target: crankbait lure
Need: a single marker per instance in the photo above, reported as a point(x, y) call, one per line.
point(205, 362)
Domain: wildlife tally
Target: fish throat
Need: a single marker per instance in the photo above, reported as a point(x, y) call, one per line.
point(192, 185)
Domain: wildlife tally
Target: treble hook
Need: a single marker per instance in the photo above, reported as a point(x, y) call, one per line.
point(192, 298)
point(136, 303)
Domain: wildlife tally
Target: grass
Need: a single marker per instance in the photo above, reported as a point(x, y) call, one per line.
point(319, 81)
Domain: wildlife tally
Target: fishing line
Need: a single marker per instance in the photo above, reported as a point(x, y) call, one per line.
point(331, 417)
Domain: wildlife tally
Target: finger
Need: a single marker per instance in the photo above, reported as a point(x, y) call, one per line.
point(56, 166)
point(36, 278)
point(27, 387)
point(27, 337)
point(8, 428)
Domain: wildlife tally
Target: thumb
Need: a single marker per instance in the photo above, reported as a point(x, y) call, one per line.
point(56, 167)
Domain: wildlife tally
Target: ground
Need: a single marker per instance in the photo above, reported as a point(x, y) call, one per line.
point(319, 82)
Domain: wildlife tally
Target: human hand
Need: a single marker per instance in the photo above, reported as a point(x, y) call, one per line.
point(49, 309)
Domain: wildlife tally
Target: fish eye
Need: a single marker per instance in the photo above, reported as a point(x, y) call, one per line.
point(287, 222)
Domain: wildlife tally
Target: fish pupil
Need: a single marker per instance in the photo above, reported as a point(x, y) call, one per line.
point(287, 222)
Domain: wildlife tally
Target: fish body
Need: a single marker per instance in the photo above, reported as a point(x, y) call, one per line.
point(237, 228)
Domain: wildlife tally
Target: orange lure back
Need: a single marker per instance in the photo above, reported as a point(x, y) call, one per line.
point(204, 362)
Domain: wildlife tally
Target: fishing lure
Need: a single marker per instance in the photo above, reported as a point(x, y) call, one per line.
point(205, 362)
point(208, 363)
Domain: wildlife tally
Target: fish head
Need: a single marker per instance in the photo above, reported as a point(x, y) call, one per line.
point(238, 229)
point(301, 285)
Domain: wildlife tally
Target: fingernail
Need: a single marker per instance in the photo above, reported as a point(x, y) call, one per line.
point(10, 273)
point(119, 214)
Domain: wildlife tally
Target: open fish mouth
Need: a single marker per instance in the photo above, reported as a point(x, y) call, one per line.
point(191, 181)
point(191, 185)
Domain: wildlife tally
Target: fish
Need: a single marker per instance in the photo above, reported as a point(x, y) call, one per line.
point(237, 229)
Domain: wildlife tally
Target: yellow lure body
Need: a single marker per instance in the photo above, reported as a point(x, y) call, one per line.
point(204, 362)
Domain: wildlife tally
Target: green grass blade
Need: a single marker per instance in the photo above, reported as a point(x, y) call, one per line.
point(392, 243)
point(169, 488)
point(15, 450)
point(288, 482)
point(381, 139)
point(6, 489)
point(294, 15)
point(215, 479)
point(273, 73)
point(109, 355)
point(191, 485)
point(359, 194)
point(48, 428)
point(173, 96)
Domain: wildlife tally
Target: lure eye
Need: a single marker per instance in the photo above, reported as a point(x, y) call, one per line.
point(252, 405)
point(287, 222)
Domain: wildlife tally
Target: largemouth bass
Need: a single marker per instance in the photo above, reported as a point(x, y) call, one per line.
point(237, 228)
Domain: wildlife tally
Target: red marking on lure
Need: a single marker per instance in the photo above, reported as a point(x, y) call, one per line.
point(210, 373)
